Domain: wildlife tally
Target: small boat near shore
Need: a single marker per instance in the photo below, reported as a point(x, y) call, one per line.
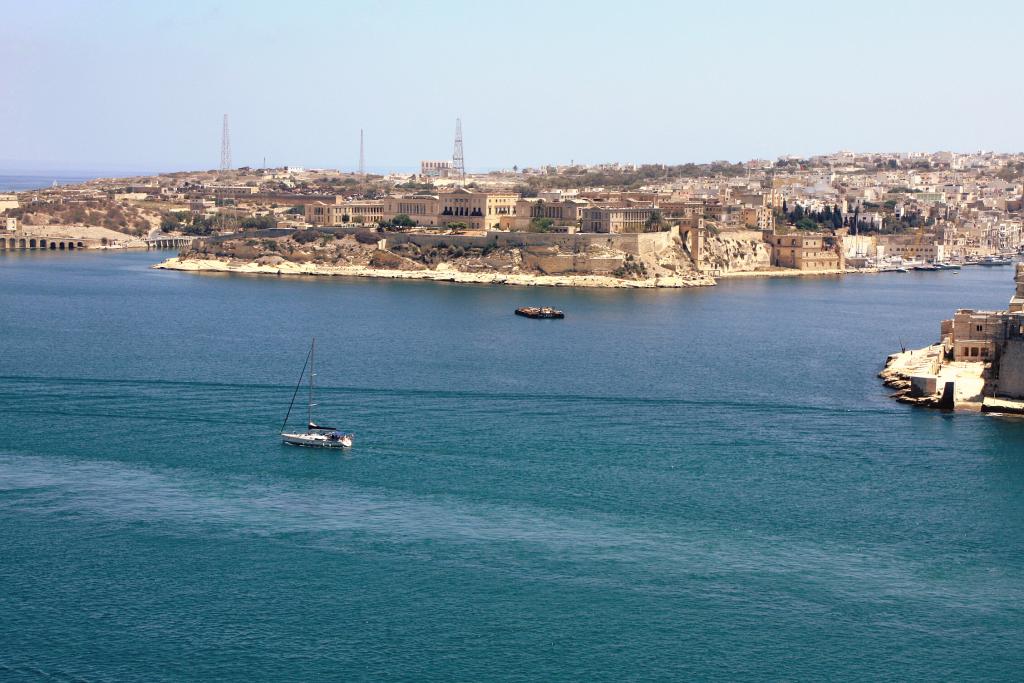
point(540, 312)
point(995, 261)
point(315, 436)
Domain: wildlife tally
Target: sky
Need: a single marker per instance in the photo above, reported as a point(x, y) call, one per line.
point(145, 85)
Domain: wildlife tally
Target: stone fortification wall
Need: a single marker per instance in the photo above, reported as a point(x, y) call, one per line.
point(638, 244)
point(534, 258)
point(1011, 369)
point(427, 241)
point(742, 235)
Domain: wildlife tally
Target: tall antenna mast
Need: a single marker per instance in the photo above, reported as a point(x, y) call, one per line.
point(362, 155)
point(458, 158)
point(225, 147)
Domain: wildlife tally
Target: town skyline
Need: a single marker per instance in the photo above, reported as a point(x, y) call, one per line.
point(413, 168)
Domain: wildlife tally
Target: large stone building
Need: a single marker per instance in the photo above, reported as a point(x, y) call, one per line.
point(995, 337)
point(424, 209)
point(565, 213)
point(921, 247)
point(686, 212)
point(361, 211)
point(758, 217)
point(223, 192)
point(364, 210)
point(806, 251)
point(436, 169)
point(477, 210)
point(617, 219)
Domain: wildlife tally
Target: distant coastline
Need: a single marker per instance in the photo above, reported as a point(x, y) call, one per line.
point(14, 182)
point(25, 180)
point(443, 273)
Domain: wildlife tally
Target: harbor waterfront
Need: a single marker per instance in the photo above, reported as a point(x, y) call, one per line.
point(694, 483)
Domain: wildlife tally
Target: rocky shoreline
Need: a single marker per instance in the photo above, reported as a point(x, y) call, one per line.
point(920, 378)
point(443, 273)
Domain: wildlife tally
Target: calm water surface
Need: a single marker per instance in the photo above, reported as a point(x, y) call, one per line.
point(678, 484)
point(11, 182)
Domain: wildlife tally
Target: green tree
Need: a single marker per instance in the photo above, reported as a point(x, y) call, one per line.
point(259, 222)
point(541, 224)
point(655, 222)
point(403, 221)
point(169, 223)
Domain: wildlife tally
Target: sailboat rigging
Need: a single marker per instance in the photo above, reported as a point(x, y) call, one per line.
point(315, 436)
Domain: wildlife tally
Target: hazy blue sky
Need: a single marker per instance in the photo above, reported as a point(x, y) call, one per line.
point(144, 84)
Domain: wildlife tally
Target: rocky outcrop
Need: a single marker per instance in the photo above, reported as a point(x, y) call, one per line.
point(921, 376)
point(442, 273)
point(313, 253)
point(743, 252)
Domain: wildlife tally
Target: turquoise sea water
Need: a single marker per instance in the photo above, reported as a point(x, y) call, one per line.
point(705, 484)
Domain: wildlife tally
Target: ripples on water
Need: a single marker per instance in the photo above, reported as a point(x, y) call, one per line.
point(702, 485)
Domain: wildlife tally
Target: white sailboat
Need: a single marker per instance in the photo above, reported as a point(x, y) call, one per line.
point(315, 436)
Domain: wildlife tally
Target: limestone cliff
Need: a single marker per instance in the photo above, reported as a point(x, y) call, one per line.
point(735, 252)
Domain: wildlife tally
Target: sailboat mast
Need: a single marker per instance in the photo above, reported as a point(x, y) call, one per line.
point(312, 375)
point(298, 385)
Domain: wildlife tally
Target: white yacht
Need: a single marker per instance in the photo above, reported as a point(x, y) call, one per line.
point(315, 436)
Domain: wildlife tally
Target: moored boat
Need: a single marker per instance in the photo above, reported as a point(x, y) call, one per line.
point(543, 312)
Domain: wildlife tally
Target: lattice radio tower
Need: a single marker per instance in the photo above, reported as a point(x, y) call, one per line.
point(225, 147)
point(458, 158)
point(362, 155)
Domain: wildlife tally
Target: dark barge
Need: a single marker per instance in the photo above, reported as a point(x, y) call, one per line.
point(542, 312)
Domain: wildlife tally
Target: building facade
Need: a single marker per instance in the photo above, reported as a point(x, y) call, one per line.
point(806, 251)
point(477, 210)
point(995, 337)
point(563, 213)
point(234, 192)
point(436, 169)
point(362, 211)
point(616, 219)
point(424, 209)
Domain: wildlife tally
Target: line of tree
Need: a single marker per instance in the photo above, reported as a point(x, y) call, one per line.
point(829, 218)
point(399, 222)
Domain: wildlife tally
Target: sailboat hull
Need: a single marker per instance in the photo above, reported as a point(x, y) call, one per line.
point(315, 440)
